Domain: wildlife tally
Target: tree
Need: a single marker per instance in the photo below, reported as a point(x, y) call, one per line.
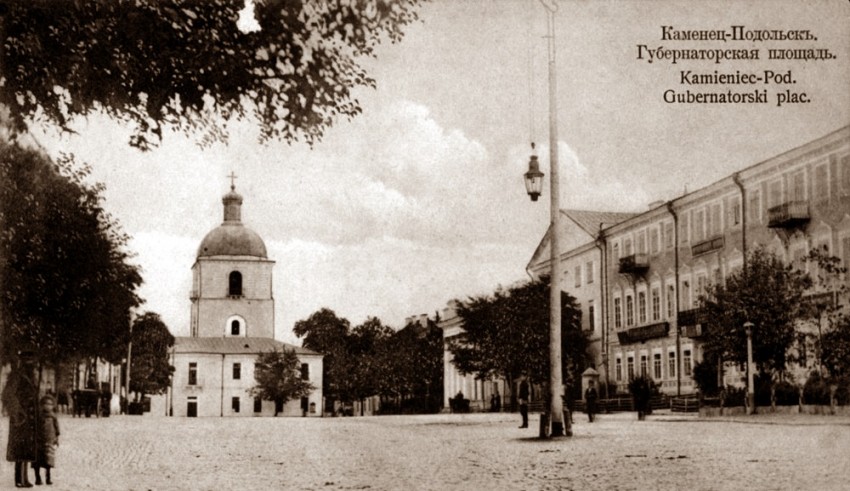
point(364, 362)
point(67, 285)
point(278, 377)
point(836, 348)
point(150, 372)
point(412, 366)
point(507, 334)
point(771, 296)
point(188, 65)
point(327, 334)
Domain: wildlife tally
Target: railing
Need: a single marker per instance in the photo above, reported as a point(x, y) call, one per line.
point(692, 317)
point(789, 214)
point(634, 264)
point(707, 246)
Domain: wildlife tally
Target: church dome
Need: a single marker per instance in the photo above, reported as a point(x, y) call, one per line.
point(232, 238)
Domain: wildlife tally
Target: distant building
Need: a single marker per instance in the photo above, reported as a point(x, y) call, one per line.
point(653, 266)
point(232, 322)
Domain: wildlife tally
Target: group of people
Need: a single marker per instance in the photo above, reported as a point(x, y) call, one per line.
point(33, 426)
point(591, 398)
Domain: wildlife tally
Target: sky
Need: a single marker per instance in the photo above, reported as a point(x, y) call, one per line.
point(420, 199)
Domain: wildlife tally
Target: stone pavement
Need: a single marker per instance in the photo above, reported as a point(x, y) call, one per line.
point(448, 452)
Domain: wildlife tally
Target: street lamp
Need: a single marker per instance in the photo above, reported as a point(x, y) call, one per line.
point(533, 184)
point(751, 397)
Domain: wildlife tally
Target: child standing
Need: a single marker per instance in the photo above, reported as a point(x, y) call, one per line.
point(48, 439)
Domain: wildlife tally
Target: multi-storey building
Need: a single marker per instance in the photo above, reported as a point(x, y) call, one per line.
point(654, 266)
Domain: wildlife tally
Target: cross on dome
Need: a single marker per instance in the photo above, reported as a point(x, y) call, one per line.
point(232, 177)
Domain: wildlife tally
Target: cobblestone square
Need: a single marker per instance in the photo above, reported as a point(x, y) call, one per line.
point(445, 452)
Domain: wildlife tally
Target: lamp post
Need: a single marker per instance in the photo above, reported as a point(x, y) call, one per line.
point(751, 397)
point(534, 182)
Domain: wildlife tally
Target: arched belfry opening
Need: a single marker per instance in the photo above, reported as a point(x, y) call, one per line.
point(234, 284)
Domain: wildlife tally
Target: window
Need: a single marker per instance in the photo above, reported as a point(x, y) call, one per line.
point(845, 247)
point(643, 365)
point(627, 247)
point(234, 328)
point(656, 304)
point(234, 284)
point(774, 193)
point(237, 371)
point(618, 369)
point(686, 295)
point(193, 373)
point(669, 236)
point(588, 272)
point(618, 314)
point(754, 207)
point(641, 247)
point(699, 231)
point(234, 403)
point(683, 229)
point(798, 186)
point(821, 183)
point(671, 301)
point(716, 223)
point(630, 310)
point(671, 364)
point(653, 241)
point(701, 285)
point(845, 174)
point(656, 366)
point(735, 211)
point(258, 405)
point(616, 251)
point(686, 361)
point(630, 367)
point(590, 316)
point(305, 371)
point(578, 276)
point(642, 307)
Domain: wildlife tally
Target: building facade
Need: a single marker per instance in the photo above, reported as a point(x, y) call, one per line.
point(232, 322)
point(654, 266)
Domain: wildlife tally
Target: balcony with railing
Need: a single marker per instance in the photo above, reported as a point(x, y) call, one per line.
point(708, 245)
point(788, 215)
point(693, 323)
point(635, 264)
point(642, 333)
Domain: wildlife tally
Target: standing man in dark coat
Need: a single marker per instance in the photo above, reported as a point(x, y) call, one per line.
point(523, 401)
point(20, 398)
point(590, 398)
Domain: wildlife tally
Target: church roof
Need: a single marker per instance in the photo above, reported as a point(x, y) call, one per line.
point(233, 346)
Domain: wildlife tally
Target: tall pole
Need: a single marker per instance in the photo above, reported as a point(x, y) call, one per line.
point(556, 406)
point(751, 396)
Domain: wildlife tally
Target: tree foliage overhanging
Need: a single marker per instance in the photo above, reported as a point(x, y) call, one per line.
point(67, 284)
point(188, 65)
point(507, 334)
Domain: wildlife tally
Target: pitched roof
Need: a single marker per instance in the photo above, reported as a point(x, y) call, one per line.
point(589, 220)
point(233, 346)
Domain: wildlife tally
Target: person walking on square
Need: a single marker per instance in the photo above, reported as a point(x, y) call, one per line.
point(590, 398)
point(48, 440)
point(523, 402)
point(19, 399)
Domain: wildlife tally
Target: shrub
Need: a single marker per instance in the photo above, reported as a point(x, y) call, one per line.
point(705, 377)
point(762, 383)
point(735, 396)
point(816, 390)
point(786, 394)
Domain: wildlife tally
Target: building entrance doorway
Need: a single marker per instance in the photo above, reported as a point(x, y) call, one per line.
point(192, 408)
